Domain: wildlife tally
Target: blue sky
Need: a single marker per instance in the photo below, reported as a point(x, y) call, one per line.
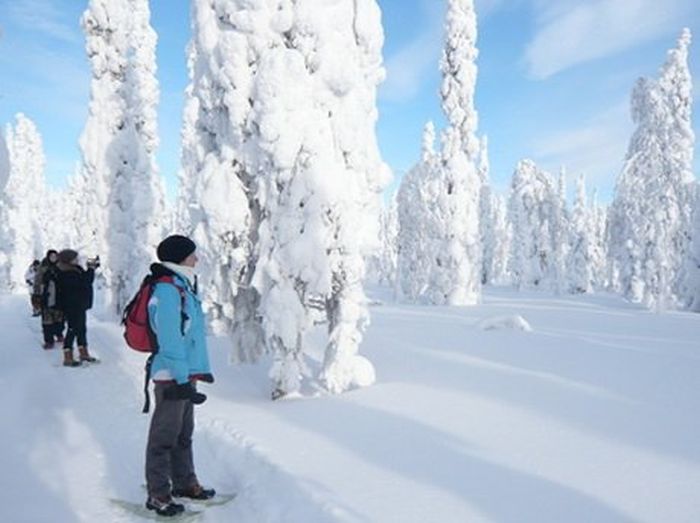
point(554, 78)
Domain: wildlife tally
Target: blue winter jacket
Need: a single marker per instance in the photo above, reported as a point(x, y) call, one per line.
point(182, 345)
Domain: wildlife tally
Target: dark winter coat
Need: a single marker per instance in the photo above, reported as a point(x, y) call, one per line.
point(74, 287)
point(45, 283)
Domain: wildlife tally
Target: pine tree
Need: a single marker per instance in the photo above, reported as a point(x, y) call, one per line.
point(487, 233)
point(502, 240)
point(220, 169)
point(650, 218)
point(457, 266)
point(124, 204)
point(416, 237)
point(531, 212)
point(561, 236)
point(599, 248)
point(4, 162)
point(580, 255)
point(22, 235)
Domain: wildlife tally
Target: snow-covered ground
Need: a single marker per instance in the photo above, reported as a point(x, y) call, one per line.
point(592, 416)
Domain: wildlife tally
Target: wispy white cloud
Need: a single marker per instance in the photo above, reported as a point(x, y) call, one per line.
point(596, 148)
point(42, 16)
point(571, 32)
point(408, 68)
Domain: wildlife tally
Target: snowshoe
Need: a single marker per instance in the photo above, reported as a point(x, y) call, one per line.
point(164, 506)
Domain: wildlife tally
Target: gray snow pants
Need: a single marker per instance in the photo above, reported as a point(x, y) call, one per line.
point(169, 450)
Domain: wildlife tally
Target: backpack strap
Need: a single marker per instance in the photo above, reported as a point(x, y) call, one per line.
point(149, 361)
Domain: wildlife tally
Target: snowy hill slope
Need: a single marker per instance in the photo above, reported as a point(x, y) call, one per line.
point(592, 416)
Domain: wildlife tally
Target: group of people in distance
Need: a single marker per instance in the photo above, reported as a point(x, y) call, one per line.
point(61, 293)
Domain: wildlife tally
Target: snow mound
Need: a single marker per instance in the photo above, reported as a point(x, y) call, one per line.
point(514, 322)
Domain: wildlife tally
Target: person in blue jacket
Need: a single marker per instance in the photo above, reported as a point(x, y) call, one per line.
point(176, 318)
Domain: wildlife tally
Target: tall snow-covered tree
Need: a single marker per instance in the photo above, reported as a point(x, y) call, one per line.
point(650, 218)
point(321, 197)
point(580, 255)
point(21, 234)
point(599, 247)
point(692, 263)
point(416, 235)
point(560, 229)
point(487, 233)
point(281, 180)
point(217, 203)
point(502, 239)
point(124, 200)
point(457, 260)
point(381, 265)
point(531, 211)
point(4, 162)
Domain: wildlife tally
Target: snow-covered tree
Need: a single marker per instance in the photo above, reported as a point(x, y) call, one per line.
point(531, 211)
point(692, 263)
point(502, 239)
point(21, 233)
point(599, 247)
point(487, 233)
point(382, 264)
point(220, 164)
point(457, 261)
point(560, 229)
point(124, 200)
point(4, 162)
point(416, 237)
point(651, 213)
point(321, 198)
point(580, 255)
point(281, 180)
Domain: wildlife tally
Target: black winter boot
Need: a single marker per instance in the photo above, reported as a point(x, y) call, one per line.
point(195, 492)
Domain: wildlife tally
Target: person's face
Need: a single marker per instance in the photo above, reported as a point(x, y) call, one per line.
point(53, 257)
point(190, 261)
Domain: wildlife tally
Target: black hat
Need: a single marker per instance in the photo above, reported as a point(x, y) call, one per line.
point(67, 256)
point(175, 248)
point(50, 252)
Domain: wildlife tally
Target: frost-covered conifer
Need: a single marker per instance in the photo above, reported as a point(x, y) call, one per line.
point(22, 201)
point(281, 179)
point(456, 269)
point(381, 265)
point(580, 257)
point(531, 212)
point(221, 164)
point(502, 239)
point(599, 224)
point(416, 238)
point(487, 233)
point(4, 162)
point(560, 229)
point(650, 216)
point(124, 202)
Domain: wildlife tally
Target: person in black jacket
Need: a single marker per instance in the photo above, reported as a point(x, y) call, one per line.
point(74, 298)
point(45, 289)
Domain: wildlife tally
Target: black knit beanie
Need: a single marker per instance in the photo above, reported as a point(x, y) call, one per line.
point(175, 248)
point(67, 256)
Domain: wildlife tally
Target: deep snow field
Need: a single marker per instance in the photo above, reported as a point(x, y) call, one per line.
point(592, 416)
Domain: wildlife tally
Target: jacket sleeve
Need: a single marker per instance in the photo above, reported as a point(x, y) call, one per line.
point(166, 320)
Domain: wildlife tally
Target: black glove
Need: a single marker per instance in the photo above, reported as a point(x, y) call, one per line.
point(206, 378)
point(184, 391)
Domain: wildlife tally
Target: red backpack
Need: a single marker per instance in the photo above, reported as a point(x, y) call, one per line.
point(137, 328)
